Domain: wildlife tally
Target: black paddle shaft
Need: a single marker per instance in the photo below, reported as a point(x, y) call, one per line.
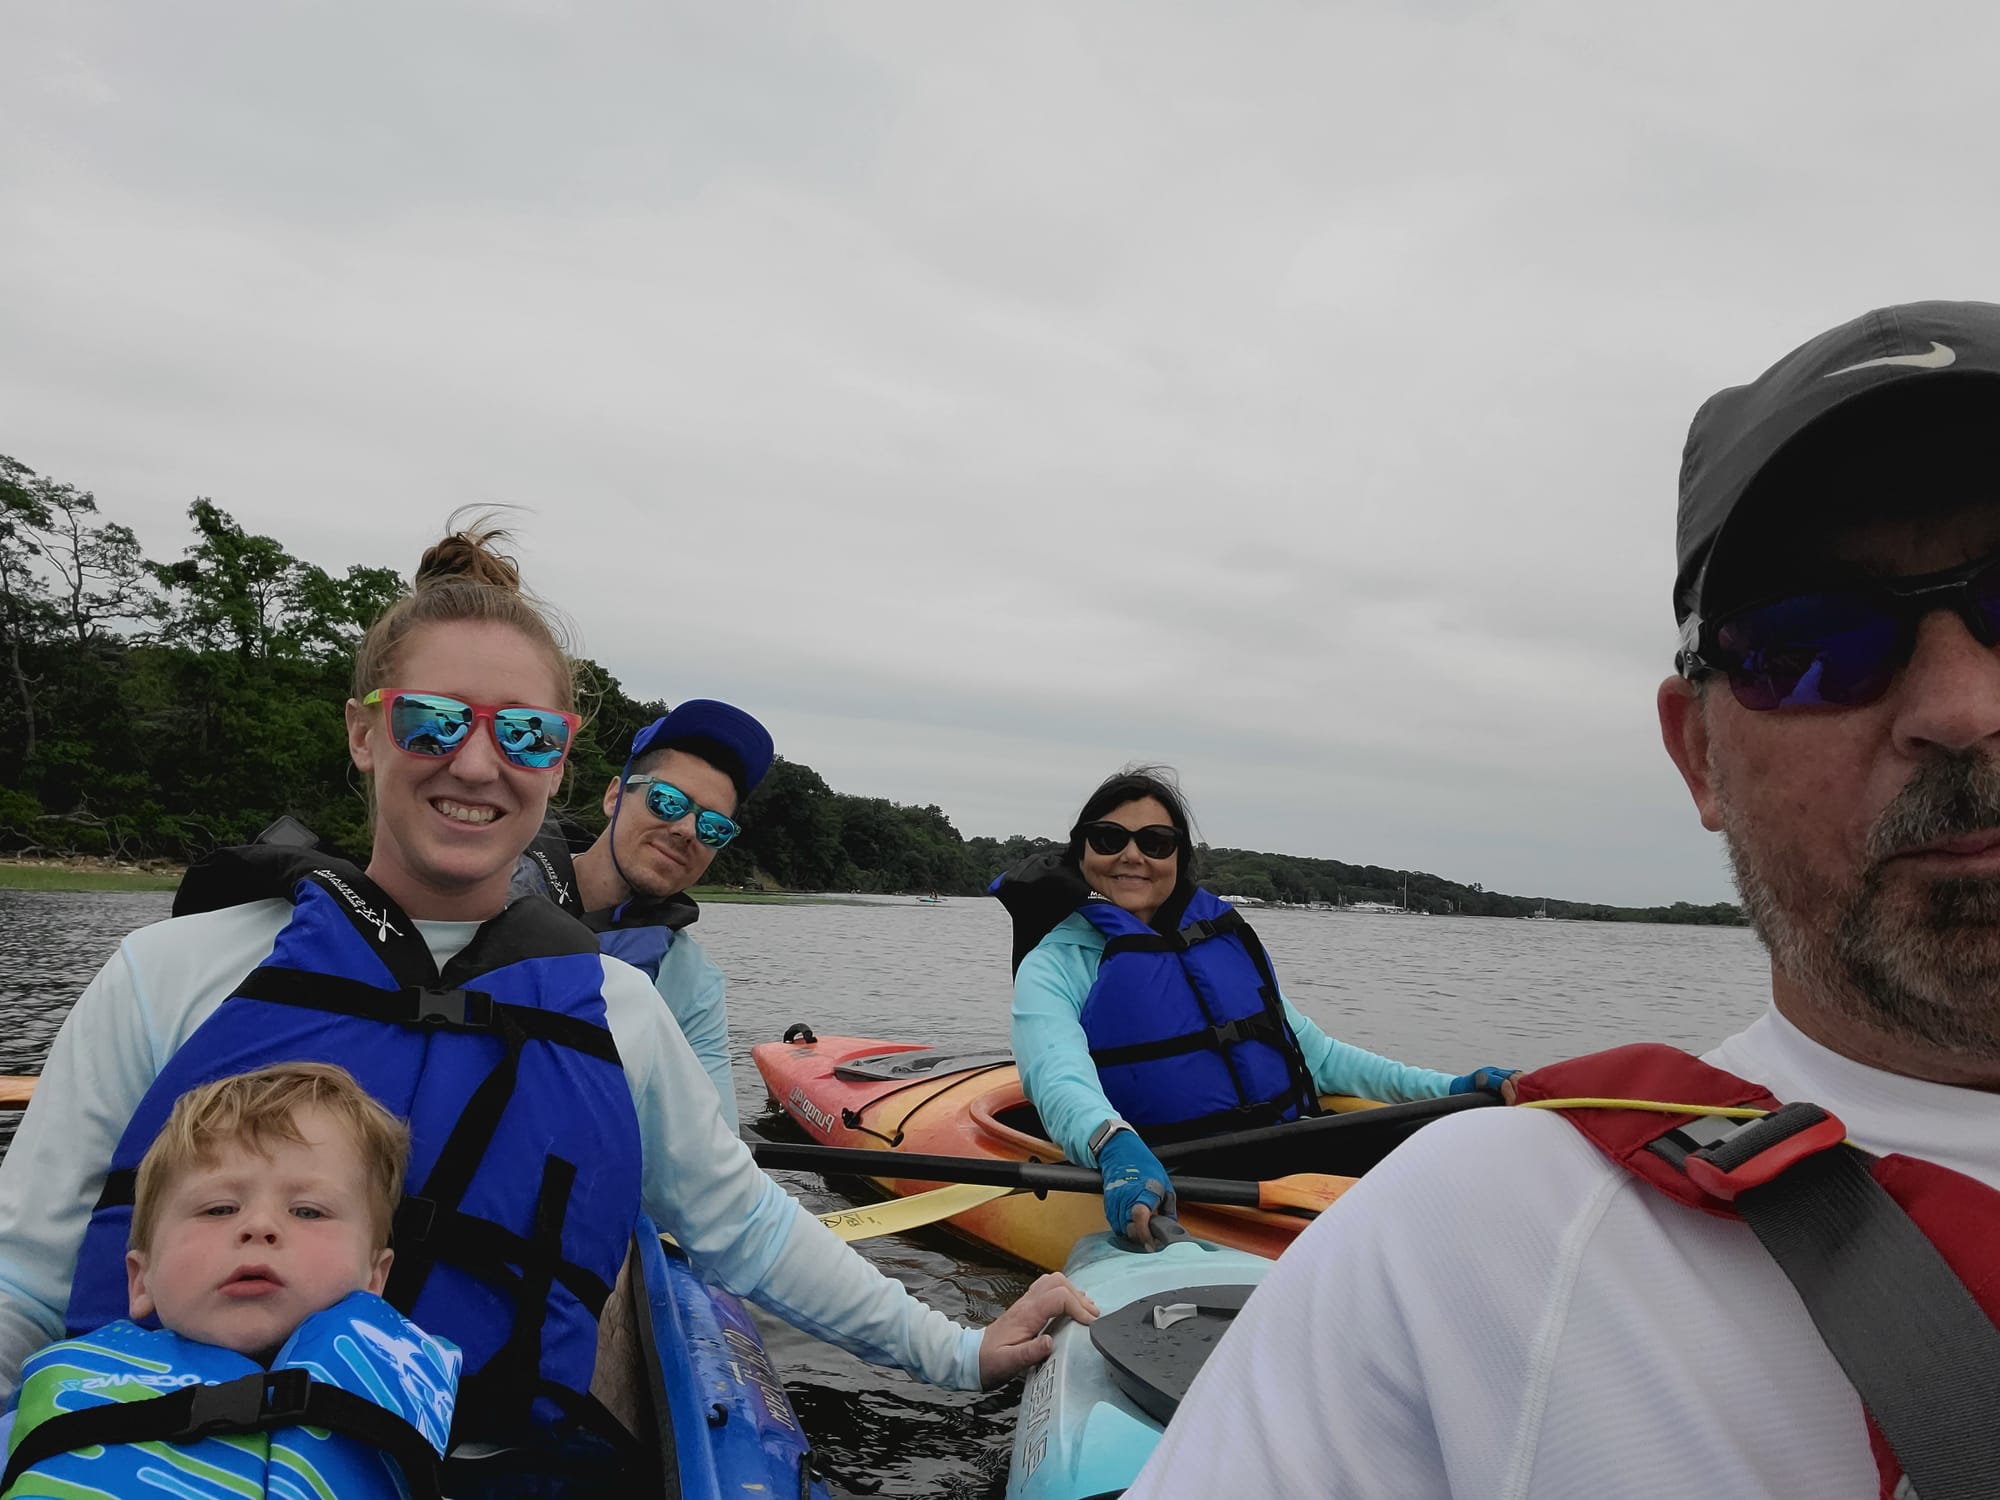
point(1031, 1176)
point(1345, 1145)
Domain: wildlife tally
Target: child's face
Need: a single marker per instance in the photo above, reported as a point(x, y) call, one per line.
point(247, 1249)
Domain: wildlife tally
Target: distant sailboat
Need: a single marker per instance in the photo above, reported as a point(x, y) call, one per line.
point(1541, 914)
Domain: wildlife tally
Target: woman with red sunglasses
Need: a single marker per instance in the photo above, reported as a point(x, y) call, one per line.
point(550, 1095)
point(1146, 1011)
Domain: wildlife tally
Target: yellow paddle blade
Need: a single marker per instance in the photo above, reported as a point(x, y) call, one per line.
point(1309, 1192)
point(15, 1092)
point(895, 1215)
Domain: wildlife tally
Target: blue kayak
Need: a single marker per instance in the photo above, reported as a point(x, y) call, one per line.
point(731, 1431)
point(1093, 1412)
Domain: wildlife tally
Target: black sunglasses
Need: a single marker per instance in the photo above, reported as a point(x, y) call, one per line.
point(1156, 840)
point(1841, 647)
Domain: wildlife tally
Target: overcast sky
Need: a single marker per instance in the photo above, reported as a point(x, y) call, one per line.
point(990, 395)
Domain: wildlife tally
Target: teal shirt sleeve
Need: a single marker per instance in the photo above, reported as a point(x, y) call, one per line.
point(692, 986)
point(1338, 1068)
point(1047, 1032)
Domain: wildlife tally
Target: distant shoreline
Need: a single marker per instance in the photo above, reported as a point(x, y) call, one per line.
point(83, 874)
point(78, 874)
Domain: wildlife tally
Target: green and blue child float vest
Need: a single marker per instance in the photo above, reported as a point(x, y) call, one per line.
point(356, 1405)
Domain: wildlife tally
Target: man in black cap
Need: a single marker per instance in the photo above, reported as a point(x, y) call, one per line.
point(1785, 1282)
point(670, 811)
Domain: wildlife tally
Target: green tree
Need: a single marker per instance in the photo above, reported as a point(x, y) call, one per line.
point(100, 576)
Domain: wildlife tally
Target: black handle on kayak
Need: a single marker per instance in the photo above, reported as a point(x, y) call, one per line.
point(1030, 1176)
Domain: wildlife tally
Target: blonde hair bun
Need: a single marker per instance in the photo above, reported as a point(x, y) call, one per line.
point(470, 553)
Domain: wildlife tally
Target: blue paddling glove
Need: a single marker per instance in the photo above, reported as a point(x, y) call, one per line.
point(1132, 1176)
point(1487, 1080)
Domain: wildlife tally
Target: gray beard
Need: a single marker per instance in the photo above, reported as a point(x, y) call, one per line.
point(1922, 964)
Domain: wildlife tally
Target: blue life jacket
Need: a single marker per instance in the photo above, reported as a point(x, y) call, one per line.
point(523, 1187)
point(639, 931)
point(1186, 1026)
point(357, 1400)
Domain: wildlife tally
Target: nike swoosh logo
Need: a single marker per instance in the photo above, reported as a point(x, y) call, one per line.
point(1935, 358)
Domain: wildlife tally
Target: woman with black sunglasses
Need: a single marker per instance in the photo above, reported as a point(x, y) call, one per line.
point(1146, 1011)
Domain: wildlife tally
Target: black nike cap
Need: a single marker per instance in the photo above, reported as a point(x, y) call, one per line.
point(1826, 386)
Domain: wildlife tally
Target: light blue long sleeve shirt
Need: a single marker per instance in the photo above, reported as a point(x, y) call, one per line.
point(692, 986)
point(697, 1179)
point(1054, 1055)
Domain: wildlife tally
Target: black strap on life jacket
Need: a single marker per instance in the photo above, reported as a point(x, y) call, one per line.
point(670, 912)
point(1262, 1027)
point(554, 850)
point(258, 1402)
point(1267, 1026)
point(1914, 1343)
point(430, 1227)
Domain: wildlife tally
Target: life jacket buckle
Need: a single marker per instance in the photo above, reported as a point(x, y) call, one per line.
point(1197, 932)
point(465, 1008)
point(249, 1403)
point(1762, 1150)
point(1230, 1032)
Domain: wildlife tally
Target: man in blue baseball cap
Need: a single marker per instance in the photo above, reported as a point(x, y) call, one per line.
point(670, 811)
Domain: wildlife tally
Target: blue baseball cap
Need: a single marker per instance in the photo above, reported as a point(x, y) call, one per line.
point(702, 726)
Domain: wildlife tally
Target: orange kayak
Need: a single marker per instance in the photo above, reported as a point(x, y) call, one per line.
point(902, 1096)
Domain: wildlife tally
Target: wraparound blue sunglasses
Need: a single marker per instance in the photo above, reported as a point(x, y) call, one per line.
point(670, 804)
point(1840, 648)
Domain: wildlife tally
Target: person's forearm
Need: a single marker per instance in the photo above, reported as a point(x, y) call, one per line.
point(820, 1285)
point(1338, 1067)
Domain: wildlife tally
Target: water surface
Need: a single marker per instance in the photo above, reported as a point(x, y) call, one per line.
point(1450, 993)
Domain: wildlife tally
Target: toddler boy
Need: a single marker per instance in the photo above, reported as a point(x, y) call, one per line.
point(259, 1243)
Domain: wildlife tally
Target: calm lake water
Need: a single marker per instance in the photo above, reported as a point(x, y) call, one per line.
point(1451, 993)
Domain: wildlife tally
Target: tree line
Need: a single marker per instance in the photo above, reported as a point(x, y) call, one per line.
point(162, 709)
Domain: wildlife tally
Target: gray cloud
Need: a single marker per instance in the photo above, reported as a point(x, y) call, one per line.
point(993, 395)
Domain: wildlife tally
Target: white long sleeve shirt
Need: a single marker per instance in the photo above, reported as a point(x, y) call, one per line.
point(698, 1181)
point(1498, 1311)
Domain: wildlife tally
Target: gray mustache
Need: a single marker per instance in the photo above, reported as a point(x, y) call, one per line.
point(1953, 795)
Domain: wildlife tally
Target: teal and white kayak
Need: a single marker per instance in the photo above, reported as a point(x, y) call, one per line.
point(1092, 1413)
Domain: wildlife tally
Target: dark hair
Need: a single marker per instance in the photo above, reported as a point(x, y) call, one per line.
point(701, 747)
point(1132, 784)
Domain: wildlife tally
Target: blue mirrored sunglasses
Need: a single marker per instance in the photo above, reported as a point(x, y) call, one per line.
point(1840, 648)
point(670, 804)
point(436, 727)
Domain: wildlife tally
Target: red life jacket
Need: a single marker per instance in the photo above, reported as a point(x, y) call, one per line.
point(1959, 1215)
